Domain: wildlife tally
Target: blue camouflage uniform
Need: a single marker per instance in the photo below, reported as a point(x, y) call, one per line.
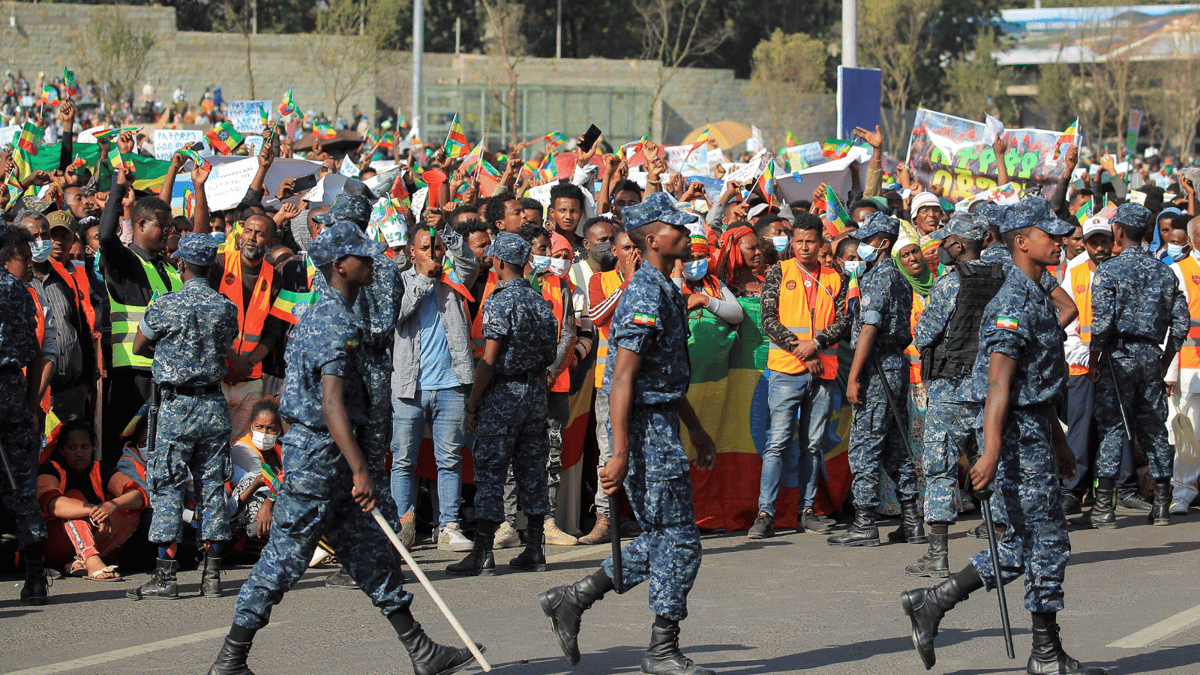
point(316, 499)
point(18, 431)
point(192, 329)
point(511, 422)
point(1021, 322)
point(875, 438)
point(1135, 299)
point(651, 321)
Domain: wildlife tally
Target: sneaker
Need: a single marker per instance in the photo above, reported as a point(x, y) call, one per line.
point(1071, 504)
point(763, 528)
point(451, 538)
point(1135, 503)
point(320, 557)
point(408, 530)
point(810, 522)
point(1179, 507)
point(506, 537)
point(556, 537)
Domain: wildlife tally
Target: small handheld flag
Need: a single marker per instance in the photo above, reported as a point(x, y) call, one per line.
point(264, 117)
point(288, 105)
point(69, 82)
point(700, 140)
point(49, 95)
point(324, 132)
point(1067, 139)
point(31, 137)
point(836, 217)
point(456, 140)
point(224, 138)
point(555, 138)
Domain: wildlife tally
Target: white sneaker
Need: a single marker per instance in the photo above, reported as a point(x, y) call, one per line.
point(556, 537)
point(1179, 507)
point(319, 557)
point(451, 538)
point(506, 537)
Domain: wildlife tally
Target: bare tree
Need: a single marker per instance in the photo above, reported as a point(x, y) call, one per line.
point(892, 36)
point(503, 40)
point(1054, 101)
point(1174, 106)
point(1108, 78)
point(239, 15)
point(979, 84)
point(674, 33)
point(115, 52)
point(784, 70)
point(347, 60)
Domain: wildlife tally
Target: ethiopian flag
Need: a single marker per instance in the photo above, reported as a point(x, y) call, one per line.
point(288, 105)
point(290, 306)
point(456, 140)
point(31, 138)
point(555, 138)
point(224, 138)
point(150, 172)
point(69, 82)
point(835, 148)
point(324, 132)
point(836, 217)
point(700, 140)
point(1068, 138)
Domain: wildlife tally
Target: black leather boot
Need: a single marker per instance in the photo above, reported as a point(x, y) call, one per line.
point(232, 659)
point(1160, 512)
point(428, 657)
point(663, 657)
point(479, 562)
point(1047, 656)
point(1104, 511)
point(565, 606)
point(862, 533)
point(912, 526)
point(340, 579)
point(162, 584)
point(533, 558)
point(925, 607)
point(36, 590)
point(936, 561)
point(210, 578)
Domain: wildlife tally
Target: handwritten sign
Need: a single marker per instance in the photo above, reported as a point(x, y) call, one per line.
point(168, 141)
point(244, 115)
point(226, 185)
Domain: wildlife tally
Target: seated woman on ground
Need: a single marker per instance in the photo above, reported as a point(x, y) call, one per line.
point(253, 496)
point(90, 508)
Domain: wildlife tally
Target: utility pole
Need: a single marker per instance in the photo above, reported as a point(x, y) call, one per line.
point(850, 33)
point(418, 49)
point(558, 33)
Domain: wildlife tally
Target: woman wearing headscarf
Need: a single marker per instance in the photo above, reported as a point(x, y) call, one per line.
point(741, 265)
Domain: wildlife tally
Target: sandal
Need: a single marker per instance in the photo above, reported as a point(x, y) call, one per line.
point(98, 575)
point(75, 568)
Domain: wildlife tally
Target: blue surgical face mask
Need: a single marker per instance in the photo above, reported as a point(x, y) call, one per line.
point(40, 248)
point(695, 270)
point(855, 268)
point(867, 252)
point(1175, 251)
point(541, 263)
point(780, 243)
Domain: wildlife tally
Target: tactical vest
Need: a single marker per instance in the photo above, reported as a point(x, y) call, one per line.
point(953, 356)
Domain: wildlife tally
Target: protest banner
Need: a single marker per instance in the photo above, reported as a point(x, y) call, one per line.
point(949, 152)
point(226, 185)
point(167, 141)
point(808, 155)
point(800, 184)
point(244, 115)
point(859, 92)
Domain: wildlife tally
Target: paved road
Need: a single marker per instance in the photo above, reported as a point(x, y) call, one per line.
point(785, 605)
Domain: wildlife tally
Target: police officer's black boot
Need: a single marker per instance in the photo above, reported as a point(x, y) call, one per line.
point(1047, 656)
point(479, 562)
point(663, 657)
point(428, 657)
point(36, 589)
point(862, 533)
point(936, 561)
point(1160, 512)
point(231, 660)
point(565, 606)
point(925, 607)
point(533, 558)
point(1104, 511)
point(912, 526)
point(162, 584)
point(210, 578)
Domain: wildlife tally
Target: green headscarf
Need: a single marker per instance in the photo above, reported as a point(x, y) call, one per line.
point(921, 284)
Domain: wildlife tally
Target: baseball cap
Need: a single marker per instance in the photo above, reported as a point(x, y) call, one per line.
point(657, 208)
point(339, 240)
point(355, 208)
point(510, 248)
point(197, 249)
point(1133, 215)
point(874, 223)
point(1097, 225)
point(1035, 212)
point(61, 219)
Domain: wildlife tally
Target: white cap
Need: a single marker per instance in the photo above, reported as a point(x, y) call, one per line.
point(922, 200)
point(1097, 225)
point(757, 210)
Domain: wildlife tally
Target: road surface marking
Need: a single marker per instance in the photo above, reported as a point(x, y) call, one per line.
point(1161, 630)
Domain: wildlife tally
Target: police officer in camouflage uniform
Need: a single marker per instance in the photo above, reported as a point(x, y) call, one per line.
point(1022, 365)
point(947, 337)
point(19, 438)
point(1135, 299)
point(377, 306)
point(507, 409)
point(327, 487)
point(879, 334)
point(646, 379)
point(188, 333)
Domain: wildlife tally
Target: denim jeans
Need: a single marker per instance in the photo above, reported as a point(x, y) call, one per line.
point(794, 400)
point(445, 410)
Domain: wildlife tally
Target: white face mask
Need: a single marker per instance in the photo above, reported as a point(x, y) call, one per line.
point(40, 248)
point(559, 266)
point(262, 440)
point(855, 268)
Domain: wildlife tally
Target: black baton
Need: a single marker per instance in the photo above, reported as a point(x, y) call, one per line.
point(1112, 372)
point(12, 480)
point(614, 522)
point(891, 401)
point(152, 418)
point(985, 495)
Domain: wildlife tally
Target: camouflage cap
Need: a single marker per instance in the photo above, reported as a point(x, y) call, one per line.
point(1133, 215)
point(510, 248)
point(340, 240)
point(1035, 212)
point(962, 225)
point(657, 208)
point(197, 249)
point(875, 223)
point(355, 208)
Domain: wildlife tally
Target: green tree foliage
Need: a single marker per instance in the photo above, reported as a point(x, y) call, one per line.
point(785, 69)
point(977, 84)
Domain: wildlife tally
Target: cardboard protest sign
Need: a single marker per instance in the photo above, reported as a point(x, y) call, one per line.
point(226, 185)
point(949, 151)
point(347, 168)
point(280, 170)
point(800, 157)
point(1135, 127)
point(168, 141)
point(752, 169)
point(390, 222)
point(681, 159)
point(800, 184)
point(244, 115)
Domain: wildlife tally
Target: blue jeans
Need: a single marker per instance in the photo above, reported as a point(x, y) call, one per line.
point(446, 412)
point(794, 400)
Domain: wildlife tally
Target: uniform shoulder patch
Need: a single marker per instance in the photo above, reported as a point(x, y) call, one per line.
point(643, 319)
point(1006, 322)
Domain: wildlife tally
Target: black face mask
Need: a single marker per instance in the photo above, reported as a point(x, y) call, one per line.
point(945, 258)
point(602, 253)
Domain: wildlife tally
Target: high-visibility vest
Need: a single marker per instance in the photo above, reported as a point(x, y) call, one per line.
point(41, 338)
point(76, 277)
point(914, 356)
point(804, 321)
point(609, 283)
point(1081, 287)
point(251, 320)
point(557, 291)
point(1189, 354)
point(477, 340)
point(125, 318)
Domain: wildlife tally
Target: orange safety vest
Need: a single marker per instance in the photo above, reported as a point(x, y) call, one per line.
point(77, 279)
point(1189, 354)
point(805, 321)
point(1058, 271)
point(609, 283)
point(93, 474)
point(477, 340)
point(248, 441)
point(250, 322)
point(1081, 286)
point(41, 338)
point(557, 291)
point(914, 356)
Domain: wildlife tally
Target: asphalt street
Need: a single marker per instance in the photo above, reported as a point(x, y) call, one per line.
point(789, 604)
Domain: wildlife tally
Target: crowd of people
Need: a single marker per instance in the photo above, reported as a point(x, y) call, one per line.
point(245, 383)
